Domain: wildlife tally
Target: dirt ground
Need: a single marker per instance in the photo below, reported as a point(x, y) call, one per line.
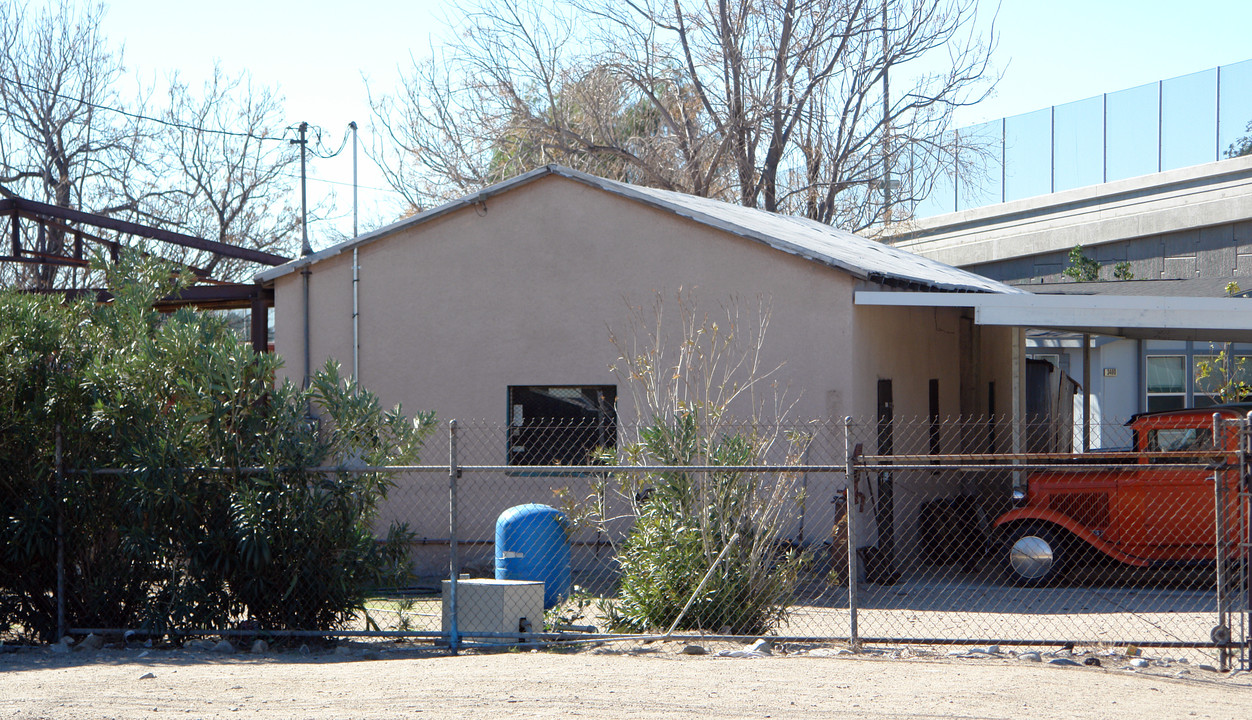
point(637, 681)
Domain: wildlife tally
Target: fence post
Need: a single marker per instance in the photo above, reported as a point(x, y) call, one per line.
point(60, 530)
point(454, 565)
point(1221, 631)
point(850, 500)
point(1245, 512)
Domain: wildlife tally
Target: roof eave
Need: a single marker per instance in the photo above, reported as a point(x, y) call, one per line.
point(268, 276)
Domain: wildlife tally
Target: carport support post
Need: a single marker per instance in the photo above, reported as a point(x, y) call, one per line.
point(454, 565)
point(1019, 400)
point(1086, 392)
point(850, 508)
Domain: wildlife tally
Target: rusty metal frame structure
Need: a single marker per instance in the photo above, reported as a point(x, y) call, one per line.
point(84, 227)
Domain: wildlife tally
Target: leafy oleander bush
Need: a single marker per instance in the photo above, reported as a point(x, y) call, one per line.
point(185, 537)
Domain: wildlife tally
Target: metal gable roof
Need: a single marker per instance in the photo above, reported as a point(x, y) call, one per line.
point(804, 238)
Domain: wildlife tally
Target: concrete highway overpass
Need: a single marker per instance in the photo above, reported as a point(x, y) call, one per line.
point(1193, 222)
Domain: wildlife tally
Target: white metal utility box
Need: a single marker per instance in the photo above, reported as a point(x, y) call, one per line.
point(494, 606)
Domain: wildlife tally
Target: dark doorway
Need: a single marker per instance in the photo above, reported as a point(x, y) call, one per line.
point(880, 561)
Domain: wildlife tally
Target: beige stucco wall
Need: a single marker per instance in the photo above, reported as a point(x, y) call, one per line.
point(456, 308)
point(522, 291)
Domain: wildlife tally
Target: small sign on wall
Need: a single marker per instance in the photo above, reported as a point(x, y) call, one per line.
point(1110, 372)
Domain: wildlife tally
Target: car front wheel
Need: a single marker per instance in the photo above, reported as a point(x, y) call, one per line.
point(1036, 555)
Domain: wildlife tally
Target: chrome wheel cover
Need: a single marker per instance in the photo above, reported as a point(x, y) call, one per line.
point(1031, 557)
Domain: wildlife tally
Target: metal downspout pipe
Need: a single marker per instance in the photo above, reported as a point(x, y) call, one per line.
point(356, 272)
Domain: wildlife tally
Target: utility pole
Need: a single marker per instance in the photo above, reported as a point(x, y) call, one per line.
point(886, 122)
point(352, 126)
point(303, 142)
point(305, 251)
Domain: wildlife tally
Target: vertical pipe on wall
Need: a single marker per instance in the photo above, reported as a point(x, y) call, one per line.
point(304, 286)
point(356, 273)
point(356, 315)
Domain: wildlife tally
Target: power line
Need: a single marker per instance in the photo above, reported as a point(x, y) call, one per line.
point(342, 144)
point(137, 116)
point(345, 184)
point(197, 128)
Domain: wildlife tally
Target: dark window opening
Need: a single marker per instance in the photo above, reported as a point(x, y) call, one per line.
point(564, 425)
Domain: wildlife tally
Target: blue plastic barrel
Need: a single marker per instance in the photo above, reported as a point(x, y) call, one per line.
point(532, 543)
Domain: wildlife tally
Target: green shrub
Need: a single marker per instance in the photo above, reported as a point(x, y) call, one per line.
point(688, 519)
point(184, 538)
point(1082, 268)
point(709, 401)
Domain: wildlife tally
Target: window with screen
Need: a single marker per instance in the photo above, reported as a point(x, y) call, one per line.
point(561, 425)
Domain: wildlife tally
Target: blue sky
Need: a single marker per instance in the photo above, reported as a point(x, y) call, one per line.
point(318, 51)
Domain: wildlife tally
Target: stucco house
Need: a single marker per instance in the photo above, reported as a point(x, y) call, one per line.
point(496, 307)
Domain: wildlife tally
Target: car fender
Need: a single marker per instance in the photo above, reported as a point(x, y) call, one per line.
point(1070, 525)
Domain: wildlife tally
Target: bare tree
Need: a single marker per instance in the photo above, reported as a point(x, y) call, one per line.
point(522, 88)
point(812, 107)
point(214, 163)
point(57, 72)
point(234, 170)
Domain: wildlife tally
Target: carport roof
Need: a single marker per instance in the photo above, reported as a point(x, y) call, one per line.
point(1219, 319)
point(818, 242)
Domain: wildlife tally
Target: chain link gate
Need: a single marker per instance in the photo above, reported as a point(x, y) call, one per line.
point(1106, 551)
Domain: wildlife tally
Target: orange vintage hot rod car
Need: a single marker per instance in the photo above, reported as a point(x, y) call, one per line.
point(1141, 514)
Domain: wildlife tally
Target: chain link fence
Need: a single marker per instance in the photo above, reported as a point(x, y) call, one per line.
point(887, 532)
point(1145, 546)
